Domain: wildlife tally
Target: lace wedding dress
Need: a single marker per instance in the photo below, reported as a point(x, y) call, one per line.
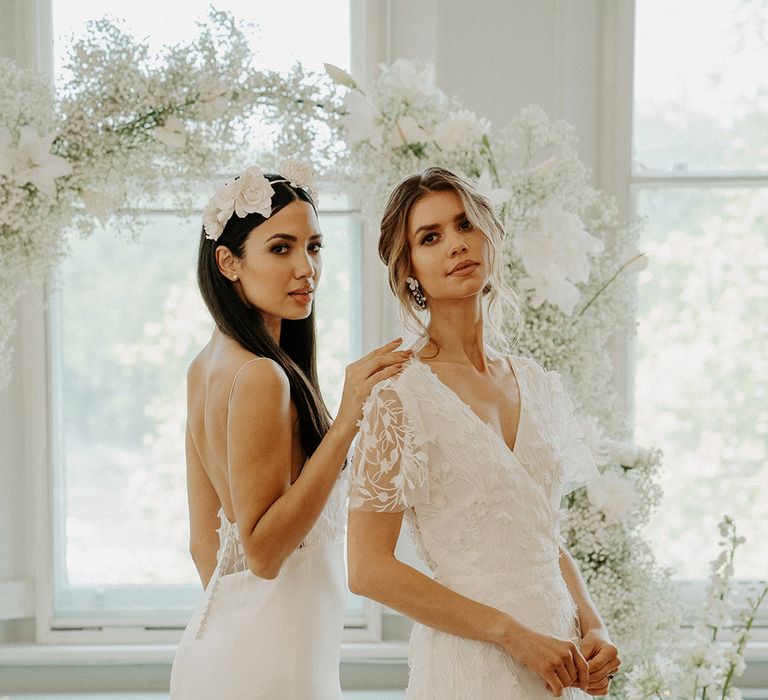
point(484, 518)
point(253, 638)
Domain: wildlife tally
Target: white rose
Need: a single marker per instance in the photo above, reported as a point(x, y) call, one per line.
point(219, 209)
point(213, 227)
point(255, 193)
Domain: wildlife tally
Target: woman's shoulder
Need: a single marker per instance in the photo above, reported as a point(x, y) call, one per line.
point(257, 377)
point(229, 369)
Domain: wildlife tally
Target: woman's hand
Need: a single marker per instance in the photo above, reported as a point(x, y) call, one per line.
point(603, 659)
point(361, 376)
point(557, 661)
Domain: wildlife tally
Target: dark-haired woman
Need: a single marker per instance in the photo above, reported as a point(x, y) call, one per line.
point(264, 462)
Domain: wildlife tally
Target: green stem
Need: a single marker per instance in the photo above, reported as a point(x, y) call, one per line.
point(491, 161)
point(742, 643)
point(607, 284)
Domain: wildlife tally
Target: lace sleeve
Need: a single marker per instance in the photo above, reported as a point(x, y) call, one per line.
point(389, 466)
point(575, 462)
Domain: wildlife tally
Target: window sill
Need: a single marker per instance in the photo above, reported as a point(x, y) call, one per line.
point(162, 654)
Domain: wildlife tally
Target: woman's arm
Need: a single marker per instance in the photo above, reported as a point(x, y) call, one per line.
point(273, 515)
point(376, 573)
point(596, 645)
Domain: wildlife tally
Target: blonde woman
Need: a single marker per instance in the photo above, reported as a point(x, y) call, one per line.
point(475, 449)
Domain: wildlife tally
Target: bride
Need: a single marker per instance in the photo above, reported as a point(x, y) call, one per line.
point(475, 449)
point(263, 460)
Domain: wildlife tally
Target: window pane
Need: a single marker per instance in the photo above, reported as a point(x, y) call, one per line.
point(284, 32)
point(701, 86)
point(702, 376)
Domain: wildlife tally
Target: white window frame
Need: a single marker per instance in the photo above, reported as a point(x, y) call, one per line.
point(617, 177)
point(35, 333)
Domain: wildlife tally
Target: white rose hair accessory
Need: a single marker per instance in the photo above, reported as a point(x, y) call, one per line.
point(252, 192)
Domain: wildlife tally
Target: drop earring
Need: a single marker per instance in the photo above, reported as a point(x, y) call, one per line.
point(416, 293)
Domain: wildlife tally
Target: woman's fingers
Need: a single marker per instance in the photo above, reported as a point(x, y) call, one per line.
point(565, 678)
point(381, 375)
point(582, 668)
point(606, 661)
point(387, 347)
point(555, 684)
point(570, 668)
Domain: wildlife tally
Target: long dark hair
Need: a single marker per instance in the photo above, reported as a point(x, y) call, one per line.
point(245, 324)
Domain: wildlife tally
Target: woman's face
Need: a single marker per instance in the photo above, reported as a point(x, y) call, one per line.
point(281, 263)
point(449, 256)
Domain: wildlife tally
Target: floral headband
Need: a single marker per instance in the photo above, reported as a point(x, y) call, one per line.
point(251, 193)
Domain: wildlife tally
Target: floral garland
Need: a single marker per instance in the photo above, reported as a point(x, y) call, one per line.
point(568, 258)
point(123, 127)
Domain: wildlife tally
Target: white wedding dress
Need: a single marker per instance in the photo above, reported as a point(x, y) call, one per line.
point(280, 639)
point(485, 519)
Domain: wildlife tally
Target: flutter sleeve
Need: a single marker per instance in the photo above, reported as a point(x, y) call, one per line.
point(389, 464)
point(575, 463)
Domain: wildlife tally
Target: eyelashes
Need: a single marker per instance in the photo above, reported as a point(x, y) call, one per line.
point(283, 248)
point(431, 237)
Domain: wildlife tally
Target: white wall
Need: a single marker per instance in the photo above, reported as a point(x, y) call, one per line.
point(499, 56)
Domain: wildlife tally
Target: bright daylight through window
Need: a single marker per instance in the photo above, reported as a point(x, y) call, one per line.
point(701, 185)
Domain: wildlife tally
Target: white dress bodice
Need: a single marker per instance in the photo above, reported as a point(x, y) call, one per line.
point(485, 519)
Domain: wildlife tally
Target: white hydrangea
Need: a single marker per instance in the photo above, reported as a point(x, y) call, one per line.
point(614, 495)
point(460, 130)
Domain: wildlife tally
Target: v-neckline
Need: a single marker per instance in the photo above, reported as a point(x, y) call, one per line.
point(511, 450)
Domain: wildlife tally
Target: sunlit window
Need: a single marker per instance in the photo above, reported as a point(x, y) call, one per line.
point(700, 179)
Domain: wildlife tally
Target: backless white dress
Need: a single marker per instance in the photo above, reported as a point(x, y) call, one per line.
point(254, 639)
point(484, 518)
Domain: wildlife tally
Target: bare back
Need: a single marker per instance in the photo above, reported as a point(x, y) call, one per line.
point(210, 380)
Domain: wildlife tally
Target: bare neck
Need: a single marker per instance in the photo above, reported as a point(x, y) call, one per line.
point(456, 328)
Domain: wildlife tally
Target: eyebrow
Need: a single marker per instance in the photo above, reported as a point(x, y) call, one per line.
point(289, 237)
point(431, 227)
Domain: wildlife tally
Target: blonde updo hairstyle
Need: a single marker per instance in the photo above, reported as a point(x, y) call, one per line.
point(501, 305)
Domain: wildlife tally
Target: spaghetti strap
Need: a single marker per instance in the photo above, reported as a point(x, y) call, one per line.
point(237, 374)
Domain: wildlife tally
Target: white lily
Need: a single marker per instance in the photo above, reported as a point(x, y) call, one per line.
point(406, 131)
point(33, 163)
point(340, 76)
point(497, 195)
